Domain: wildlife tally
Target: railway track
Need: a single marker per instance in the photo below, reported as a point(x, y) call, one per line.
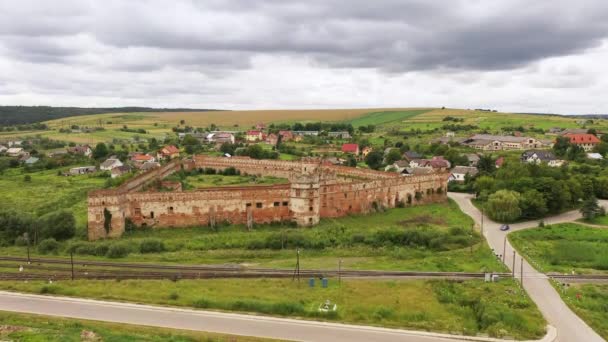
point(43, 268)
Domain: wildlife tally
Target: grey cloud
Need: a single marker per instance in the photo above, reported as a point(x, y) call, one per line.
point(395, 36)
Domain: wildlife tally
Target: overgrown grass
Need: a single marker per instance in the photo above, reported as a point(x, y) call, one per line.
point(436, 237)
point(589, 302)
point(35, 328)
point(564, 247)
point(47, 192)
point(470, 307)
point(206, 181)
point(599, 220)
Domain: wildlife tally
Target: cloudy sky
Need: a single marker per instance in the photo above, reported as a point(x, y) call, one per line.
point(511, 55)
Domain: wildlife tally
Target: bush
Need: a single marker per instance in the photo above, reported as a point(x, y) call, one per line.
point(59, 225)
point(151, 246)
point(118, 250)
point(48, 246)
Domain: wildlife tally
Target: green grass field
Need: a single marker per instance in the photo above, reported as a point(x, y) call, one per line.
point(564, 248)
point(359, 241)
point(37, 328)
point(47, 192)
point(599, 220)
point(469, 307)
point(379, 118)
point(589, 302)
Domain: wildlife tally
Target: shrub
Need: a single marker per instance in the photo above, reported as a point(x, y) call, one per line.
point(59, 225)
point(173, 296)
point(201, 303)
point(118, 250)
point(47, 246)
point(151, 246)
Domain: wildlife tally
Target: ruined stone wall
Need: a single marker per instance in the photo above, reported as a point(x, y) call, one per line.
point(315, 191)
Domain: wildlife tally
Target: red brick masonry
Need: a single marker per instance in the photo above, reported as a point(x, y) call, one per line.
point(315, 190)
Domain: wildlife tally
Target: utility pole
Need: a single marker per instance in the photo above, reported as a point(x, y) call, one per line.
point(339, 271)
point(521, 271)
point(72, 262)
point(296, 271)
point(504, 250)
point(482, 221)
point(513, 264)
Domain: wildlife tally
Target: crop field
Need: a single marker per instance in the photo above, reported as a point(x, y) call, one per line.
point(589, 302)
point(34, 328)
point(470, 307)
point(384, 117)
point(493, 121)
point(435, 237)
point(47, 192)
point(564, 248)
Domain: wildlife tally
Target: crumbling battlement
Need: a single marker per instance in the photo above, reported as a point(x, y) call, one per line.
point(316, 190)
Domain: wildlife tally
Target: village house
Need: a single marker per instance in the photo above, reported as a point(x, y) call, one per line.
point(168, 152)
point(83, 150)
point(3, 148)
point(31, 160)
point(586, 141)
point(140, 158)
point(219, 138)
point(119, 171)
point(305, 133)
point(286, 135)
point(339, 135)
point(260, 126)
point(540, 156)
point(254, 135)
point(351, 148)
point(15, 143)
point(473, 159)
point(272, 139)
point(15, 152)
point(366, 150)
point(81, 170)
point(411, 155)
point(417, 171)
point(459, 173)
point(436, 162)
point(149, 165)
point(110, 163)
point(488, 142)
point(398, 166)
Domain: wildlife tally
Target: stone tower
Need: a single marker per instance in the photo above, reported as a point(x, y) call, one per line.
point(304, 199)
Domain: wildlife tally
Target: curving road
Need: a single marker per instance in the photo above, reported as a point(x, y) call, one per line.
point(569, 326)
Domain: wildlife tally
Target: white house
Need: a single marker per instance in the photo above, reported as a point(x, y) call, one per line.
point(595, 156)
point(109, 164)
point(459, 173)
point(14, 152)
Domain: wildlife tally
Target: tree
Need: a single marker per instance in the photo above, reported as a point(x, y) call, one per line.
point(13, 225)
point(503, 206)
point(591, 209)
point(100, 151)
point(59, 225)
point(561, 146)
point(393, 155)
point(374, 160)
point(351, 161)
point(228, 148)
point(532, 204)
point(486, 164)
point(575, 152)
point(484, 183)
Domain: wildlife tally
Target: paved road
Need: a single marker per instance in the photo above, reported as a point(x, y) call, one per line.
point(246, 325)
point(569, 326)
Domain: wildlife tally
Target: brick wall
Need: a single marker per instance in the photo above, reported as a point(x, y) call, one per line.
point(315, 191)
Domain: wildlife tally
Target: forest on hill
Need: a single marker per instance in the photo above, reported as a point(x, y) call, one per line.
point(18, 115)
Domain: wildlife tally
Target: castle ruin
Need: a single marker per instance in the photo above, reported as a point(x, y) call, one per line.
point(315, 190)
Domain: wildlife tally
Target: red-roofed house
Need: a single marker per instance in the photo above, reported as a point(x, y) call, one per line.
point(254, 135)
point(142, 158)
point(272, 139)
point(286, 135)
point(168, 152)
point(586, 141)
point(351, 148)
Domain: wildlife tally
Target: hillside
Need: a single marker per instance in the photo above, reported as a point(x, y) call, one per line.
point(17, 115)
